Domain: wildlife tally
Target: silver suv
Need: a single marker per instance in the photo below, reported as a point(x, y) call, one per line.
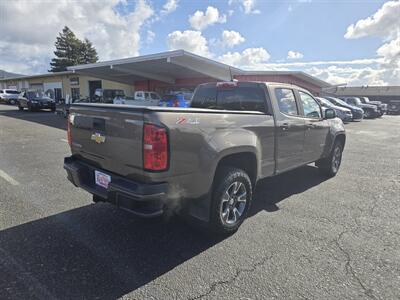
point(9, 96)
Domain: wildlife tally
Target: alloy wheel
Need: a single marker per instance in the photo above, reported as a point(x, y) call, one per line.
point(233, 203)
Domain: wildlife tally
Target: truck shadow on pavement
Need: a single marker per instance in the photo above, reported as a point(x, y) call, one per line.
point(98, 251)
point(43, 117)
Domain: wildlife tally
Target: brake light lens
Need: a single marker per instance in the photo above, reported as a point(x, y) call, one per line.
point(155, 148)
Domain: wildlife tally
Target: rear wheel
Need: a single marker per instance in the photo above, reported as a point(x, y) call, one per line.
point(231, 200)
point(330, 165)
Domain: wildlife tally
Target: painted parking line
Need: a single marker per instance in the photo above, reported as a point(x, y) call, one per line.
point(8, 178)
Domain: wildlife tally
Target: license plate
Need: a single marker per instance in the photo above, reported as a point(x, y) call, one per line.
point(102, 179)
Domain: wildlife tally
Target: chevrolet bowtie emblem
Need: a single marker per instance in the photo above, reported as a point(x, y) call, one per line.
point(98, 138)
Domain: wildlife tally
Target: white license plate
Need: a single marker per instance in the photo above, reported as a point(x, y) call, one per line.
point(102, 179)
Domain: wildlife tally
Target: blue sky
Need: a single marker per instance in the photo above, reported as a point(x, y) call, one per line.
point(315, 29)
point(343, 41)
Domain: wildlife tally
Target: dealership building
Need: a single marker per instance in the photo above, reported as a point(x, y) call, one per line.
point(162, 72)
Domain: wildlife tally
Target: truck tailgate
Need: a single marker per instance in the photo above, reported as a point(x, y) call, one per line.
point(110, 138)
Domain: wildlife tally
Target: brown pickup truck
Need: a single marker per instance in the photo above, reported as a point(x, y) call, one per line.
point(203, 161)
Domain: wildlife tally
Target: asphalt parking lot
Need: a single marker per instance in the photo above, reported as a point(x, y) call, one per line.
point(307, 237)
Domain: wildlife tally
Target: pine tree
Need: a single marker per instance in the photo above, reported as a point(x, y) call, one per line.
point(88, 53)
point(71, 51)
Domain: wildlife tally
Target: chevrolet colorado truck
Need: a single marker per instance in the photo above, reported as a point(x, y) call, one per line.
point(204, 161)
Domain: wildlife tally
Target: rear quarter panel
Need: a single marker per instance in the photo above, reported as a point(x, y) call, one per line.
point(198, 141)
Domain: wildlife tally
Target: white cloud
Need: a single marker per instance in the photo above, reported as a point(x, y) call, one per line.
point(190, 40)
point(150, 36)
point(200, 20)
point(231, 38)
point(294, 55)
point(248, 59)
point(384, 23)
point(248, 6)
point(169, 7)
point(28, 46)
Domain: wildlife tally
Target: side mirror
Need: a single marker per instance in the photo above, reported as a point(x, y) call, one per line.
point(330, 113)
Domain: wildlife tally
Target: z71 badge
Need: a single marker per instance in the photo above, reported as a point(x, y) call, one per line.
point(183, 120)
point(98, 138)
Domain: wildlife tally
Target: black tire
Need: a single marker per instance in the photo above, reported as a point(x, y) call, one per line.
point(226, 180)
point(367, 114)
point(330, 165)
point(20, 108)
point(53, 109)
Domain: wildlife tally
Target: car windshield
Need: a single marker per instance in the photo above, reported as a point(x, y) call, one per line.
point(325, 102)
point(340, 101)
point(33, 95)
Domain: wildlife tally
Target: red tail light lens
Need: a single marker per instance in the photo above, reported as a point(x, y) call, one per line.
point(69, 136)
point(155, 148)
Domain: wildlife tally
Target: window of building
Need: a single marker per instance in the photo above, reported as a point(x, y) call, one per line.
point(74, 81)
point(286, 101)
point(310, 106)
point(75, 94)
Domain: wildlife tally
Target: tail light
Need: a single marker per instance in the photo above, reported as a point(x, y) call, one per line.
point(69, 136)
point(155, 148)
point(176, 103)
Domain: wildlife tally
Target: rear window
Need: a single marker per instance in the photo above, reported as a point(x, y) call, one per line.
point(244, 96)
point(12, 92)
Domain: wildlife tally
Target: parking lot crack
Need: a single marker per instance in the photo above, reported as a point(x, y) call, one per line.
point(237, 273)
point(349, 268)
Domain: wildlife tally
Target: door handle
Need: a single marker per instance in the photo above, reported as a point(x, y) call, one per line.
point(310, 125)
point(285, 126)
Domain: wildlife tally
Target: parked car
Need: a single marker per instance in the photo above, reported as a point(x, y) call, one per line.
point(393, 107)
point(204, 161)
point(343, 113)
point(370, 111)
point(382, 107)
point(107, 95)
point(135, 102)
point(33, 101)
point(9, 96)
point(177, 100)
point(357, 112)
point(147, 96)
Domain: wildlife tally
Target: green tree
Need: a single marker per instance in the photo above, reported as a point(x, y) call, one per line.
point(71, 51)
point(88, 53)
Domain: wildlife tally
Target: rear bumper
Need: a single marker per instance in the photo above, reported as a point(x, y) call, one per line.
point(145, 200)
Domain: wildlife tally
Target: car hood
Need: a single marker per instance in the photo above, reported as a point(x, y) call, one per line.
point(42, 99)
point(367, 106)
point(342, 109)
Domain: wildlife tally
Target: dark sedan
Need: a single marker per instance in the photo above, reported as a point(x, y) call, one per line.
point(357, 112)
point(34, 101)
point(341, 112)
point(382, 107)
point(370, 111)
